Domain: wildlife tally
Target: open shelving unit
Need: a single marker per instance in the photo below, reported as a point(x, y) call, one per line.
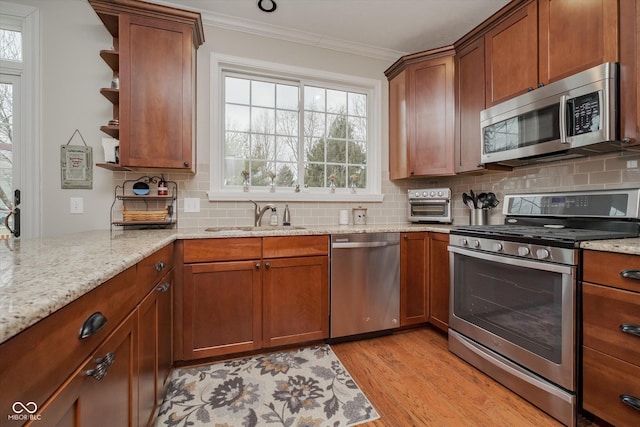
point(138, 211)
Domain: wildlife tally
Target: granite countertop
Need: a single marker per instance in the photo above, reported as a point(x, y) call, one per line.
point(40, 276)
point(623, 246)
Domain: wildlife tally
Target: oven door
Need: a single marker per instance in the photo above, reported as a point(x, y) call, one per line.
point(430, 210)
point(521, 309)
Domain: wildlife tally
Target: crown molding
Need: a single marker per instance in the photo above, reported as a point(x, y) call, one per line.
point(295, 36)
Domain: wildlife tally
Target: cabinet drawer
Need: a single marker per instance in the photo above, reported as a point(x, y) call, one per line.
point(606, 378)
point(605, 268)
point(208, 250)
point(604, 311)
point(152, 268)
point(295, 246)
point(43, 356)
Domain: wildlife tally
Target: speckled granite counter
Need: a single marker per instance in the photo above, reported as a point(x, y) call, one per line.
point(40, 276)
point(624, 246)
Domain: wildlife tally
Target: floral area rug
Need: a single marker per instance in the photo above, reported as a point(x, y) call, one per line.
point(308, 387)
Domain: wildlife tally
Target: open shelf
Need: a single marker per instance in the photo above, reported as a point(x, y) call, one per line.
point(152, 210)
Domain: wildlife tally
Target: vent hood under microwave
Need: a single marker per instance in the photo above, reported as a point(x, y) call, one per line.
point(573, 117)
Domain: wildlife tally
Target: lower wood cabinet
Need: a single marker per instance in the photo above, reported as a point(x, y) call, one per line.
point(103, 391)
point(233, 301)
point(296, 300)
point(424, 279)
point(611, 337)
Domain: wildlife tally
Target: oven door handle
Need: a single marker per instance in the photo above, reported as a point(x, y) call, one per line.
point(518, 262)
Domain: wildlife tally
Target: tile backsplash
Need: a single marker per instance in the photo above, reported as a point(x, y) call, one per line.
point(613, 170)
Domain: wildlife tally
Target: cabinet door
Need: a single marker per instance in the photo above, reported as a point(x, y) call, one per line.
point(296, 300)
point(398, 150)
point(575, 36)
point(110, 400)
point(439, 280)
point(470, 101)
point(630, 71)
point(511, 55)
point(414, 281)
point(222, 308)
point(430, 121)
point(157, 74)
point(155, 347)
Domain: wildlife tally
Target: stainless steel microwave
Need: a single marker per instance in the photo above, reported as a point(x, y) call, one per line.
point(573, 117)
point(430, 205)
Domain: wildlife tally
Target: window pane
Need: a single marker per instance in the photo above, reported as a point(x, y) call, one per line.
point(286, 149)
point(236, 118)
point(314, 98)
point(236, 144)
point(232, 171)
point(314, 124)
point(314, 175)
point(340, 174)
point(336, 101)
point(336, 151)
point(286, 175)
point(11, 45)
point(236, 91)
point(357, 128)
point(287, 97)
point(314, 149)
point(263, 120)
point(262, 147)
point(263, 94)
point(287, 123)
point(357, 104)
point(360, 174)
point(357, 152)
point(337, 126)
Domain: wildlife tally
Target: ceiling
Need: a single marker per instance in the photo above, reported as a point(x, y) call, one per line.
point(383, 29)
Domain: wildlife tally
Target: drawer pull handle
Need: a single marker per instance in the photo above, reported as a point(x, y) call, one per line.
point(164, 287)
point(630, 274)
point(160, 266)
point(102, 366)
point(93, 324)
point(630, 328)
point(629, 400)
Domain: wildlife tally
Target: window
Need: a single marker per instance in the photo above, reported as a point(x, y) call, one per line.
point(284, 129)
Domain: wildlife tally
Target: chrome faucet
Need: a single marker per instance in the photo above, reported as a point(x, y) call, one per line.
point(259, 213)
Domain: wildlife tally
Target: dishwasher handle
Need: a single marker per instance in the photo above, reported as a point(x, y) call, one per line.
point(355, 245)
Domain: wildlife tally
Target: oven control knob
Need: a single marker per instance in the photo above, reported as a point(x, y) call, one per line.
point(476, 243)
point(432, 194)
point(497, 247)
point(417, 194)
point(424, 194)
point(523, 251)
point(440, 193)
point(542, 253)
point(464, 242)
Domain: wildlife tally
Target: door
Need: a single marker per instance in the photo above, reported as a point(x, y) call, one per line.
point(9, 203)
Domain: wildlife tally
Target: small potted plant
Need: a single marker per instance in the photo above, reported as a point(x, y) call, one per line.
point(272, 186)
point(332, 183)
point(245, 180)
point(354, 179)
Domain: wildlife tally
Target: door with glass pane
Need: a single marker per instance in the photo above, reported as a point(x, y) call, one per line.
point(10, 60)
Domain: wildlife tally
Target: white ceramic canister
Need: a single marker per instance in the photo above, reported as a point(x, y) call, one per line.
point(359, 215)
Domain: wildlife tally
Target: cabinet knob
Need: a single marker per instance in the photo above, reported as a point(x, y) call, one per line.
point(267, 265)
point(164, 287)
point(627, 140)
point(102, 365)
point(160, 266)
point(529, 89)
point(93, 324)
point(257, 266)
point(406, 237)
point(186, 164)
point(540, 84)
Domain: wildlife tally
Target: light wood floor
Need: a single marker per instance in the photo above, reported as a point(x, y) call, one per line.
point(412, 379)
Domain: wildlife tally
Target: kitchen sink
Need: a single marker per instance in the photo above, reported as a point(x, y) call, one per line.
point(240, 229)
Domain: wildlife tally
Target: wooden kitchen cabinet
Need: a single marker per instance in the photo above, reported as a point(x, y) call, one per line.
point(155, 48)
point(414, 278)
point(103, 391)
point(421, 114)
point(630, 72)
point(470, 101)
point(611, 337)
point(248, 293)
point(439, 280)
point(546, 40)
point(296, 300)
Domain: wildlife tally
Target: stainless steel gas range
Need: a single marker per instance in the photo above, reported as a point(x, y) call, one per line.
point(514, 306)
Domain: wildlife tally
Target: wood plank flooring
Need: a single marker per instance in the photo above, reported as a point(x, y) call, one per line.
point(412, 379)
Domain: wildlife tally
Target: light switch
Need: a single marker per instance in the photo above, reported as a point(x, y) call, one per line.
point(76, 205)
point(191, 204)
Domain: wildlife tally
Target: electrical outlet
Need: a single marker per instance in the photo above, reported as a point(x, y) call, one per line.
point(632, 164)
point(191, 204)
point(76, 205)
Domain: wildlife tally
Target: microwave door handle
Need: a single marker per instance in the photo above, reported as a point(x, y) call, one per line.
point(563, 120)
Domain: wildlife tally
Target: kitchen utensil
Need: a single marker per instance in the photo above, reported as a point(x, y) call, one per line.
point(474, 198)
point(492, 201)
point(467, 200)
point(482, 201)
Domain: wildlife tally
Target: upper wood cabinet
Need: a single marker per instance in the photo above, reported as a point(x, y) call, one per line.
point(547, 40)
point(421, 114)
point(155, 47)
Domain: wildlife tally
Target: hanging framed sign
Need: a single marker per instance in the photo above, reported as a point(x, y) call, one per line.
point(76, 165)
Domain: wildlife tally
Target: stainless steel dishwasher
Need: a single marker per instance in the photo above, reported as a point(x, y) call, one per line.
point(365, 283)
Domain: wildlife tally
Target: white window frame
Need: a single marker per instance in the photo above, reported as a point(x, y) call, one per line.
point(373, 89)
point(26, 19)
